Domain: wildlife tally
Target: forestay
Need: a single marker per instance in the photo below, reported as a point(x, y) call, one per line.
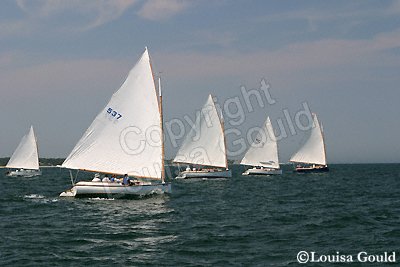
point(264, 149)
point(313, 151)
point(205, 143)
point(26, 155)
point(125, 136)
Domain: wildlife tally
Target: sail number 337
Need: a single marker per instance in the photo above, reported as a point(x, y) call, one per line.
point(114, 113)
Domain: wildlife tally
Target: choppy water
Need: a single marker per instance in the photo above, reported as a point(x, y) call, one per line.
point(251, 221)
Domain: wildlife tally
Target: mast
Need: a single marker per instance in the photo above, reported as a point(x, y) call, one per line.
point(37, 148)
point(323, 140)
point(223, 135)
point(161, 132)
point(161, 121)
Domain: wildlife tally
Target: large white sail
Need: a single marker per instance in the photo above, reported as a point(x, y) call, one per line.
point(313, 151)
point(125, 137)
point(264, 149)
point(205, 143)
point(26, 155)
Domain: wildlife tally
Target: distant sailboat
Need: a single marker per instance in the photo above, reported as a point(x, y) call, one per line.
point(25, 158)
point(312, 155)
point(205, 146)
point(118, 141)
point(263, 153)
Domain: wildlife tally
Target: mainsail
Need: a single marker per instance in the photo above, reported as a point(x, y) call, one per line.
point(264, 149)
point(26, 155)
point(205, 143)
point(313, 151)
point(125, 137)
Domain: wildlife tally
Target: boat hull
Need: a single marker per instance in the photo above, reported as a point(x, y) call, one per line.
point(312, 169)
point(24, 173)
point(115, 190)
point(263, 172)
point(204, 174)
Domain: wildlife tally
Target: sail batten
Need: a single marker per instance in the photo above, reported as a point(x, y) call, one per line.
point(205, 143)
point(125, 137)
point(263, 152)
point(313, 150)
point(26, 155)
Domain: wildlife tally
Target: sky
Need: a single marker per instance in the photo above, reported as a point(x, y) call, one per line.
point(60, 62)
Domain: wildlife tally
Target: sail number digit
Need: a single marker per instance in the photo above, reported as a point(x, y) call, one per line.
point(114, 113)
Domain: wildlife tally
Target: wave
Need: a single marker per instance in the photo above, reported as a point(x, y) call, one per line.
point(101, 198)
point(34, 196)
point(40, 198)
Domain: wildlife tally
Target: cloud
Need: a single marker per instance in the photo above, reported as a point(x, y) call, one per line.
point(14, 28)
point(88, 14)
point(394, 9)
point(344, 16)
point(61, 77)
point(162, 9)
point(208, 37)
point(98, 12)
point(293, 58)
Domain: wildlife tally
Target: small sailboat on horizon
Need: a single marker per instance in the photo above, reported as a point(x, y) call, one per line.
point(311, 157)
point(126, 138)
point(263, 153)
point(205, 147)
point(25, 159)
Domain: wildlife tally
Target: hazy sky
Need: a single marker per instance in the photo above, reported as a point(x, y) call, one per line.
point(61, 60)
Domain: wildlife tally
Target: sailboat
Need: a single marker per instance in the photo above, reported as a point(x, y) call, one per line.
point(205, 147)
point(263, 153)
point(25, 158)
point(126, 138)
point(311, 157)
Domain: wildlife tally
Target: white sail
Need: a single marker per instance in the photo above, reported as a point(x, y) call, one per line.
point(125, 137)
point(26, 155)
point(205, 143)
point(313, 151)
point(264, 149)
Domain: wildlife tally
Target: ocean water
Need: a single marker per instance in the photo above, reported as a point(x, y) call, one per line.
point(243, 221)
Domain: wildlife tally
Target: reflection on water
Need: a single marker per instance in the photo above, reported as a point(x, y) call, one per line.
point(133, 227)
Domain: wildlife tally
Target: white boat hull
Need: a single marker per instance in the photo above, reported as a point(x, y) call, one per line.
point(262, 172)
point(108, 189)
point(204, 174)
point(24, 173)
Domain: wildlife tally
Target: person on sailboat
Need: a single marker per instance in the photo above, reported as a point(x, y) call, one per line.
point(106, 179)
point(96, 178)
point(126, 180)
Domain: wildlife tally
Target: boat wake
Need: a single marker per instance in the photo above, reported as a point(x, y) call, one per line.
point(33, 196)
point(101, 198)
point(39, 198)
